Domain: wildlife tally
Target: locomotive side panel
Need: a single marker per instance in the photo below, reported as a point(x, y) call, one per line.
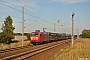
point(44, 37)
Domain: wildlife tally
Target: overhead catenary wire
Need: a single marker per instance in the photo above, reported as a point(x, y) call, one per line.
point(38, 17)
point(15, 5)
point(11, 7)
point(17, 21)
point(32, 24)
point(26, 13)
point(30, 14)
point(35, 10)
point(14, 16)
point(67, 21)
point(26, 9)
point(10, 3)
point(7, 14)
point(62, 24)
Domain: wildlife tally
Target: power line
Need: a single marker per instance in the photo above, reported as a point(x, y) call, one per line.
point(11, 3)
point(38, 17)
point(35, 10)
point(10, 7)
point(15, 5)
point(32, 13)
point(27, 10)
point(14, 16)
point(67, 21)
point(6, 14)
point(25, 13)
point(20, 11)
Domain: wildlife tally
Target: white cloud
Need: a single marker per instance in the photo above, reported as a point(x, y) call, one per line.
point(70, 1)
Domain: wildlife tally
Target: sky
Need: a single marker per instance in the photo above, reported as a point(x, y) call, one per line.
point(39, 14)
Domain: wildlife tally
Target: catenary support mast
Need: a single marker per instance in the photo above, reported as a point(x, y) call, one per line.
point(73, 28)
point(22, 25)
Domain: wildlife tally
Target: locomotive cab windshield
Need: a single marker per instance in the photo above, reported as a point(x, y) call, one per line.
point(34, 34)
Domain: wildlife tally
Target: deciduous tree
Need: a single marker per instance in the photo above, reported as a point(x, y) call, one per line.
point(7, 30)
point(86, 33)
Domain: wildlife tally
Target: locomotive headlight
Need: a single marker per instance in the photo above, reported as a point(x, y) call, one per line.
point(31, 38)
point(36, 38)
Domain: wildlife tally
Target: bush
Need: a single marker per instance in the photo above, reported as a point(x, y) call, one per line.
point(28, 36)
point(86, 33)
point(5, 39)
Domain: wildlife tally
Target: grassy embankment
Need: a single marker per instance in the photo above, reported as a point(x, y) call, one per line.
point(13, 45)
point(80, 51)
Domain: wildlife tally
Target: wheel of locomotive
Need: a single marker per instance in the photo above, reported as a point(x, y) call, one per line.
point(45, 42)
point(49, 41)
point(34, 43)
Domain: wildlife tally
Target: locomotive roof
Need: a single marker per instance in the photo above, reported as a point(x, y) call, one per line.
point(50, 33)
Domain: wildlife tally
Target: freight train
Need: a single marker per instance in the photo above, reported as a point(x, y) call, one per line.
point(38, 37)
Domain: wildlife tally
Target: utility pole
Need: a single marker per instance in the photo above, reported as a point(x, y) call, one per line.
point(54, 27)
point(22, 25)
point(72, 28)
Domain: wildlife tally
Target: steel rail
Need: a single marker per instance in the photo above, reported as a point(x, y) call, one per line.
point(30, 53)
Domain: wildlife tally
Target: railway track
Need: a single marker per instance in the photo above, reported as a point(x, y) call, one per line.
point(13, 49)
point(33, 51)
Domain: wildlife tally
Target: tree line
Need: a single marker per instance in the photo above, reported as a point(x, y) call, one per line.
point(85, 33)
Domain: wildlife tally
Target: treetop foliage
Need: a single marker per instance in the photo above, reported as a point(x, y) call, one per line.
point(7, 30)
point(86, 33)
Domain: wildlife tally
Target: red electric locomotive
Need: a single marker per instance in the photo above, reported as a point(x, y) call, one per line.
point(39, 37)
